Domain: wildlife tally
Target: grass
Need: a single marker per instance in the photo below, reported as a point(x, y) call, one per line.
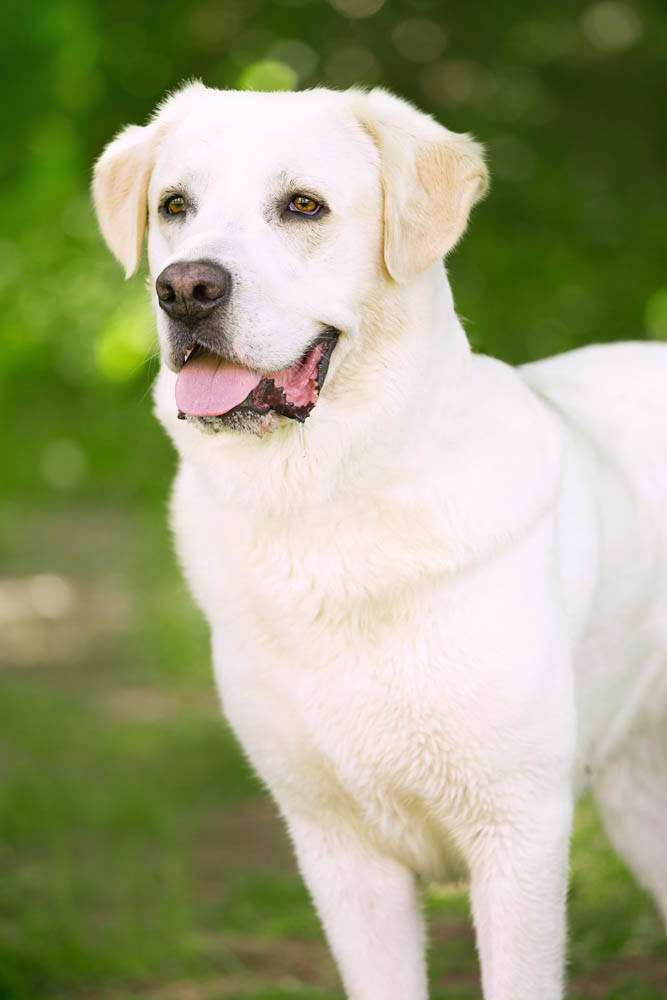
point(140, 858)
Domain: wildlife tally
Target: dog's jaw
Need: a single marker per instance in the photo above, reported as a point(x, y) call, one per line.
point(207, 389)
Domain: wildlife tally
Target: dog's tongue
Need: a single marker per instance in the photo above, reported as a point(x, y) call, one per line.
point(207, 386)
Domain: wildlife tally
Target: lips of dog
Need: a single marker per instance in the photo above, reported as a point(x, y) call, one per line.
point(208, 333)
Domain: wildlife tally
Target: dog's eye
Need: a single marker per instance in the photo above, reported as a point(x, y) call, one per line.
point(304, 205)
point(174, 205)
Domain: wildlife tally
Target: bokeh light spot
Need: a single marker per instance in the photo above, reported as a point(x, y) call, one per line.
point(357, 8)
point(124, 342)
point(63, 464)
point(612, 26)
point(292, 52)
point(521, 96)
point(211, 25)
point(419, 40)
point(456, 81)
point(655, 314)
point(50, 596)
point(268, 74)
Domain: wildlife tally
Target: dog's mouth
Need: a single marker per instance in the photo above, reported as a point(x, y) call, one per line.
point(209, 387)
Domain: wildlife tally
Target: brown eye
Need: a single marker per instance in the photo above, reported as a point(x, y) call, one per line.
point(174, 205)
point(304, 205)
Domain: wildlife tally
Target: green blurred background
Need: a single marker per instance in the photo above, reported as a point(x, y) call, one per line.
point(139, 856)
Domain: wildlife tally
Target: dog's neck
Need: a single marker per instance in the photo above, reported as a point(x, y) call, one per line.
point(417, 320)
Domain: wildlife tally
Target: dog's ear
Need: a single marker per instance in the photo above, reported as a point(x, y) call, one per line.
point(120, 190)
point(431, 178)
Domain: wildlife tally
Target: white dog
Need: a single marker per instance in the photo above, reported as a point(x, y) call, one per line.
point(438, 604)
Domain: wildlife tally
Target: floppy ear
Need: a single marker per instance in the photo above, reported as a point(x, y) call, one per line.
point(120, 189)
point(431, 178)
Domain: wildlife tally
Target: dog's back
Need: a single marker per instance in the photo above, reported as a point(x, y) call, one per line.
point(616, 396)
point(613, 401)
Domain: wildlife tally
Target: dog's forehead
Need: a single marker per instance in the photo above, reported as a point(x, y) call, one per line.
point(254, 135)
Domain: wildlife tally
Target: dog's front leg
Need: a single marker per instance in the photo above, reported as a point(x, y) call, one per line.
point(369, 907)
point(518, 892)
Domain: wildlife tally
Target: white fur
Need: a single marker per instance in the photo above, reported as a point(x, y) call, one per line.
point(439, 608)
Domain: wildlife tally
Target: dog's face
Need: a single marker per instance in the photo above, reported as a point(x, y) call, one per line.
point(288, 243)
point(298, 231)
point(273, 219)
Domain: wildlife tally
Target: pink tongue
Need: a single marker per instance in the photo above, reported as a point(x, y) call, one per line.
point(207, 386)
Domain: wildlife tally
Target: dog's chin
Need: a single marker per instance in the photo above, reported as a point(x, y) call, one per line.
point(207, 383)
point(243, 420)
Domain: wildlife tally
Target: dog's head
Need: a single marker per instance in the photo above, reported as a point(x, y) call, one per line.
point(273, 220)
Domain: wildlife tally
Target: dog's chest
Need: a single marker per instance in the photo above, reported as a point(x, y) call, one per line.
point(350, 708)
point(362, 736)
point(341, 658)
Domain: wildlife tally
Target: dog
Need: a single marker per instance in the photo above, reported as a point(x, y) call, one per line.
point(436, 585)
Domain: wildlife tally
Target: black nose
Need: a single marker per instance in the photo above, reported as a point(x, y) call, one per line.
point(190, 290)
